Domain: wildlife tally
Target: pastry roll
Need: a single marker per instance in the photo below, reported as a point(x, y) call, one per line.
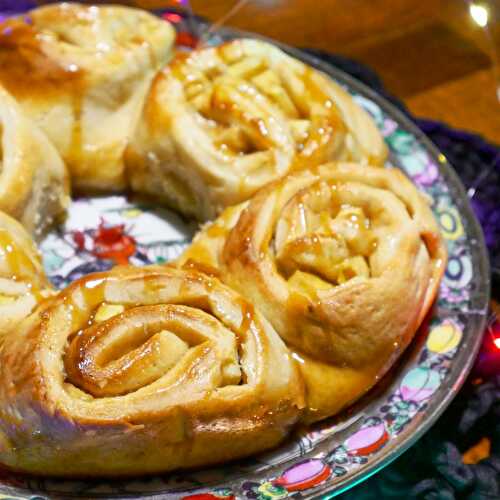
point(219, 123)
point(344, 261)
point(34, 184)
point(143, 370)
point(23, 285)
point(81, 73)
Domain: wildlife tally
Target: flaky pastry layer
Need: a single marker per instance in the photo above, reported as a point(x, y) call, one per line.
point(344, 261)
point(219, 123)
point(139, 371)
point(81, 73)
point(34, 184)
point(23, 284)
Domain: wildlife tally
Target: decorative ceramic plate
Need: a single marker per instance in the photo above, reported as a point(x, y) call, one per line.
point(333, 456)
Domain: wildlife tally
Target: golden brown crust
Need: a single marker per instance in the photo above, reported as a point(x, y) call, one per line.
point(23, 285)
point(187, 374)
point(141, 371)
point(344, 261)
point(81, 73)
point(34, 185)
point(220, 123)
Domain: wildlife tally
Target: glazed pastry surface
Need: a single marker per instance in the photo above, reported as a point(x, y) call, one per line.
point(285, 309)
point(138, 371)
point(34, 185)
point(344, 261)
point(220, 123)
point(81, 73)
point(23, 285)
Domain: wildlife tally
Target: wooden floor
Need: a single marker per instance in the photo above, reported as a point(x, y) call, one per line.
point(428, 52)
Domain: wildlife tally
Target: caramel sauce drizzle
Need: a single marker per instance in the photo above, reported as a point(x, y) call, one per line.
point(93, 294)
point(319, 218)
point(315, 105)
point(75, 149)
point(199, 264)
point(16, 260)
point(25, 69)
point(129, 362)
point(83, 362)
point(248, 316)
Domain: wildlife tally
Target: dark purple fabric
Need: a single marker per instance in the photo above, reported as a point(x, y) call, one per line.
point(15, 6)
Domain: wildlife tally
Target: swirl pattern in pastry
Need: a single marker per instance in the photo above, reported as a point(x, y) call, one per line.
point(219, 123)
point(140, 371)
point(81, 73)
point(343, 260)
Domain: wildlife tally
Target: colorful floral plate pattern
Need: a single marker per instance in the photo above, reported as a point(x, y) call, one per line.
point(330, 457)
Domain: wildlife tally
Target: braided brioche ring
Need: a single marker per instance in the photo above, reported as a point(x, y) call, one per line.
point(220, 123)
point(81, 73)
point(344, 261)
point(140, 371)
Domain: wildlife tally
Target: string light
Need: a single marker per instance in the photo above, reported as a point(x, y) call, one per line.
point(494, 332)
point(172, 17)
point(215, 26)
point(479, 13)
